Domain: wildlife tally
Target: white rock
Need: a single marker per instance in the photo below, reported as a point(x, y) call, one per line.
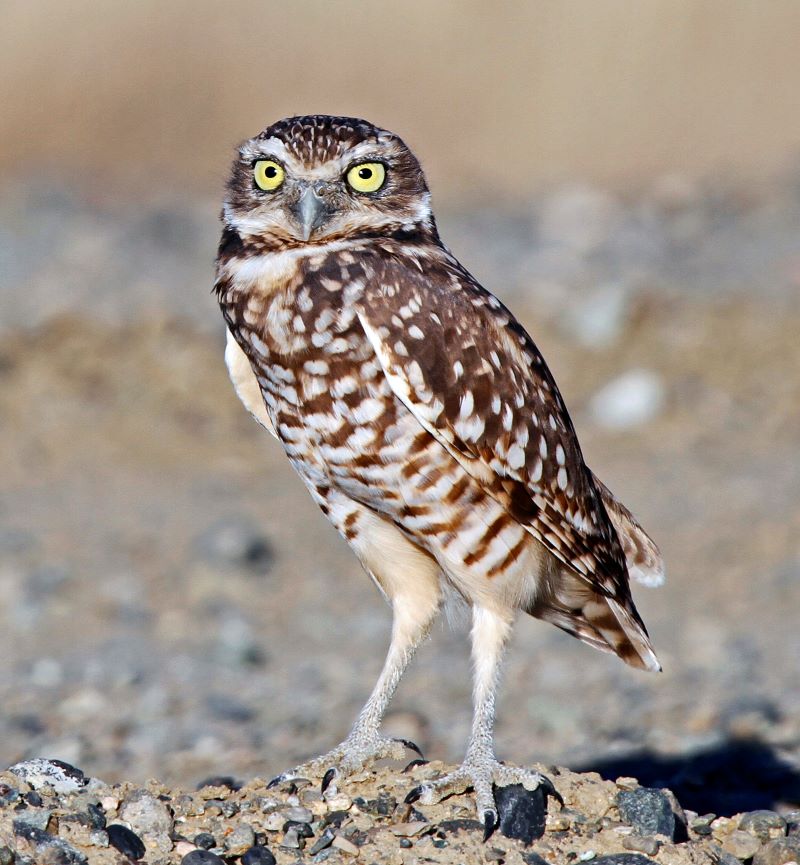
point(579, 217)
point(39, 772)
point(632, 399)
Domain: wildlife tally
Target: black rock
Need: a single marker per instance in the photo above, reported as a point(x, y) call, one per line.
point(205, 840)
point(405, 843)
point(648, 811)
point(33, 798)
point(97, 817)
point(323, 842)
point(462, 825)
point(624, 859)
point(201, 857)
point(220, 781)
point(236, 541)
point(31, 833)
point(521, 813)
point(534, 859)
point(127, 842)
point(302, 830)
point(257, 855)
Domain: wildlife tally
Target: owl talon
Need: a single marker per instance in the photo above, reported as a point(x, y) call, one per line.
point(413, 765)
point(328, 778)
point(407, 743)
point(413, 795)
point(490, 822)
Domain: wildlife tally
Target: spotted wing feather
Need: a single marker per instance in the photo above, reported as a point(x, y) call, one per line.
point(456, 357)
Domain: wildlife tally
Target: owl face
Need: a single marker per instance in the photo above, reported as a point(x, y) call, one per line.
point(309, 180)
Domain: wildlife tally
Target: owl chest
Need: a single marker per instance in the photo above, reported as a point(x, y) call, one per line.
point(321, 383)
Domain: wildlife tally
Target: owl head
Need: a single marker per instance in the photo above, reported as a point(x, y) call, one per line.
point(314, 179)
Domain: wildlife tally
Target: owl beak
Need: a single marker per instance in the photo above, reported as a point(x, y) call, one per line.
point(310, 211)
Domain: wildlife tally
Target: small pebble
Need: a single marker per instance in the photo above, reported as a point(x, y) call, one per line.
point(632, 399)
point(127, 842)
point(341, 843)
point(324, 840)
point(6, 856)
point(740, 844)
point(38, 818)
point(641, 844)
point(201, 857)
point(406, 843)
point(184, 847)
point(242, 838)
point(204, 840)
point(62, 777)
point(587, 856)
point(648, 811)
point(291, 839)
point(34, 799)
point(624, 859)
point(298, 814)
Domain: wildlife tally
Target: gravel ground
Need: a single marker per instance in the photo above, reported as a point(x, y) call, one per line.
point(175, 607)
point(54, 814)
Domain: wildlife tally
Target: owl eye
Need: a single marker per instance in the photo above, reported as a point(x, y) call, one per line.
point(367, 177)
point(268, 175)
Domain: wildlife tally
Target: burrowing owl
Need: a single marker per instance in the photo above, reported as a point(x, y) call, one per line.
point(421, 417)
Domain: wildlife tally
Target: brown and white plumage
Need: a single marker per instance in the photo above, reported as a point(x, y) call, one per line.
point(420, 415)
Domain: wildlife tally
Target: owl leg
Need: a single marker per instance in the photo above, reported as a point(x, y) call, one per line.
point(411, 582)
point(481, 770)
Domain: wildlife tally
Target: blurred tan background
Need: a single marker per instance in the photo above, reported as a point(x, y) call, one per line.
point(498, 97)
point(624, 175)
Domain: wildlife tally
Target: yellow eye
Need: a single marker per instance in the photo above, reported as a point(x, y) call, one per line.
point(367, 177)
point(268, 175)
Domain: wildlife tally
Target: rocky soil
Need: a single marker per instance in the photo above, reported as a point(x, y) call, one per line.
point(174, 606)
point(51, 814)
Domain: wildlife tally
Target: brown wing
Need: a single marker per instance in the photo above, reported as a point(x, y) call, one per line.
point(469, 372)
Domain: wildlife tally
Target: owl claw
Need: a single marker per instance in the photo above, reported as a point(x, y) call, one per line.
point(407, 743)
point(413, 795)
point(490, 822)
point(327, 779)
point(413, 765)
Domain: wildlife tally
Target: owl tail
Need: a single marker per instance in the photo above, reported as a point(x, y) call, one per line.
point(609, 624)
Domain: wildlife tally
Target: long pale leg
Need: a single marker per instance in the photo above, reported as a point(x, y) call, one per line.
point(481, 769)
point(413, 615)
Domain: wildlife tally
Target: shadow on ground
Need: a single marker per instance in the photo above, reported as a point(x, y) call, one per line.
point(726, 779)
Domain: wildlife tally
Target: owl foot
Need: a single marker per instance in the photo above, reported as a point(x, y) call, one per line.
point(348, 757)
point(482, 774)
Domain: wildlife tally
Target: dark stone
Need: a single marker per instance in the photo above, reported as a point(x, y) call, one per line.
point(440, 843)
point(383, 806)
point(324, 841)
point(33, 798)
point(302, 830)
point(97, 817)
point(220, 781)
point(534, 859)
point(336, 818)
point(201, 857)
point(31, 833)
point(648, 811)
point(204, 840)
point(463, 825)
point(406, 844)
point(521, 813)
point(127, 842)
point(258, 855)
point(623, 859)
point(239, 542)
point(55, 850)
